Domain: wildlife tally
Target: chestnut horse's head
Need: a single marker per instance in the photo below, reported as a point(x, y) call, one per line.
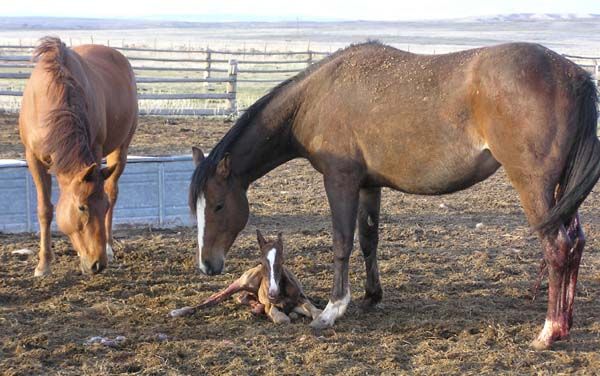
point(80, 214)
point(272, 263)
point(219, 200)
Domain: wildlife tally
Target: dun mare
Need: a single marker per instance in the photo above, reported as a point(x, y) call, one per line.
point(269, 288)
point(371, 116)
point(79, 105)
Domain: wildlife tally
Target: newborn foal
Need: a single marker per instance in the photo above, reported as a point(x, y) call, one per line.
point(268, 288)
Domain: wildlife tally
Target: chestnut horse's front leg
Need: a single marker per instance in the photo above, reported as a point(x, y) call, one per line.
point(342, 193)
point(563, 256)
point(368, 235)
point(43, 184)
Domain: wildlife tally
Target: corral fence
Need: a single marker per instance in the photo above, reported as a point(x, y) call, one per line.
point(194, 81)
point(179, 81)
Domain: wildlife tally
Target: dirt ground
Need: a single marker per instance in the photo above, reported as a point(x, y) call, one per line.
point(456, 297)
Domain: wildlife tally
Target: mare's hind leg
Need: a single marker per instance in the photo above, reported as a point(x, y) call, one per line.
point(117, 160)
point(562, 253)
point(43, 185)
point(562, 249)
point(369, 203)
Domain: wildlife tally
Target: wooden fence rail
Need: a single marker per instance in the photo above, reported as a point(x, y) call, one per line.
point(205, 66)
point(200, 66)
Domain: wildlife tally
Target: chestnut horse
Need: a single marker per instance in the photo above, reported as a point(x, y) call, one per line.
point(79, 105)
point(372, 116)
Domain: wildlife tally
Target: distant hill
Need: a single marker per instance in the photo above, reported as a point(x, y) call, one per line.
point(220, 20)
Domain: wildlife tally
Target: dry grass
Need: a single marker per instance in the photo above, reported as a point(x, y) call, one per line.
point(456, 298)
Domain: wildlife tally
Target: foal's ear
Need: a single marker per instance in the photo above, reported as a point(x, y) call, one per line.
point(107, 171)
point(261, 239)
point(224, 166)
point(88, 173)
point(280, 238)
point(197, 155)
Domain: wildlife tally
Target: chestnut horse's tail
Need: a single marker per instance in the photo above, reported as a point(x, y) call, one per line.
point(582, 168)
point(68, 125)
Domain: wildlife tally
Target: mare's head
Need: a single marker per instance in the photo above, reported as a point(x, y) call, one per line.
point(80, 214)
point(221, 207)
point(272, 263)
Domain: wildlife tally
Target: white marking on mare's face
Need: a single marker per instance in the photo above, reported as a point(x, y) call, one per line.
point(110, 255)
point(273, 288)
point(200, 205)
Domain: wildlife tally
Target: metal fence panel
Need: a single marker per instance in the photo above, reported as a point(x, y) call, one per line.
point(152, 191)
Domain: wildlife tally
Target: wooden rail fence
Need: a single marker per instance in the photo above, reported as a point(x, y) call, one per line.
point(205, 66)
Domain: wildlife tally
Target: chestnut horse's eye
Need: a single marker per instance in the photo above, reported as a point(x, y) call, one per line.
point(82, 208)
point(218, 207)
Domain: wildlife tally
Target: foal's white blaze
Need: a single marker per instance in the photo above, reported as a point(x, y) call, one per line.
point(200, 205)
point(332, 311)
point(273, 288)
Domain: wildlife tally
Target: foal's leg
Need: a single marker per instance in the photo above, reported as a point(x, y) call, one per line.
point(43, 185)
point(368, 231)
point(342, 193)
point(277, 316)
point(118, 160)
point(306, 308)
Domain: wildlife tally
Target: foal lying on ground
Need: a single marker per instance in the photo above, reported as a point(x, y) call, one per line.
point(268, 288)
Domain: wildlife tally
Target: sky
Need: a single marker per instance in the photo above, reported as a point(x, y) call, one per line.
point(377, 10)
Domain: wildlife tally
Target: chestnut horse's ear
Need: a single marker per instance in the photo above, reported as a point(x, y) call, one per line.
point(224, 166)
point(261, 239)
point(197, 155)
point(107, 171)
point(88, 173)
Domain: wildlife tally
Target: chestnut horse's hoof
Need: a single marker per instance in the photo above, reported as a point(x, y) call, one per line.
point(41, 271)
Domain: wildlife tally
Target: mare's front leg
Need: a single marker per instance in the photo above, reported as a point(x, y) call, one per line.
point(43, 185)
point(368, 234)
point(342, 193)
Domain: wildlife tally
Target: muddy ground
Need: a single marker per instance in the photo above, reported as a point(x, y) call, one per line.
point(456, 297)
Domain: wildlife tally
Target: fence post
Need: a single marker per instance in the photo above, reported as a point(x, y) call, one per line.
point(208, 68)
point(232, 86)
point(310, 58)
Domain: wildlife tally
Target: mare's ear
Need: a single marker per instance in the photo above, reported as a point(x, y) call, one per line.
point(261, 239)
point(197, 155)
point(107, 171)
point(224, 166)
point(88, 173)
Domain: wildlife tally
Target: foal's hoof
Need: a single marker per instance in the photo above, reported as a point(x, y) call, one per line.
point(281, 319)
point(185, 311)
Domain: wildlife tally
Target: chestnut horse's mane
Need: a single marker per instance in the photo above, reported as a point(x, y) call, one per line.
point(68, 139)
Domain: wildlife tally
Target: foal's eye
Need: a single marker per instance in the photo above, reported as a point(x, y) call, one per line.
point(218, 207)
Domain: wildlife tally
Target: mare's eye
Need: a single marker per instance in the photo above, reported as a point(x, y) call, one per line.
point(218, 207)
point(82, 208)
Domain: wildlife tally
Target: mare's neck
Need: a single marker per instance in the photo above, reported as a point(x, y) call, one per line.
point(266, 143)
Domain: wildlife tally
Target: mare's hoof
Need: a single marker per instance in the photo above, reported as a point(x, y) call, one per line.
point(540, 345)
point(319, 323)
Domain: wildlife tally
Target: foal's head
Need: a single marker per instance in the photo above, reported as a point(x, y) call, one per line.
point(80, 214)
point(272, 263)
